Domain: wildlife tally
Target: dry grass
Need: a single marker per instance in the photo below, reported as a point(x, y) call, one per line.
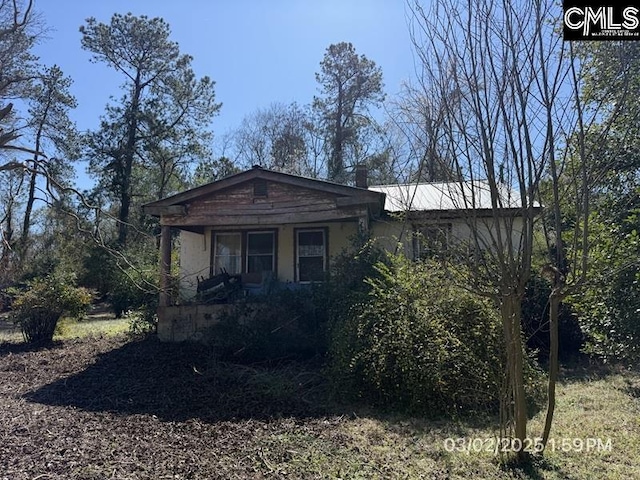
point(97, 323)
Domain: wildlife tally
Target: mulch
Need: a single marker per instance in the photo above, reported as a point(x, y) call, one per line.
point(115, 407)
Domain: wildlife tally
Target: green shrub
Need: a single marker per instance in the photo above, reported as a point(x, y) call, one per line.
point(38, 308)
point(610, 315)
point(609, 304)
point(412, 339)
point(129, 280)
point(347, 291)
point(132, 289)
point(145, 319)
point(535, 322)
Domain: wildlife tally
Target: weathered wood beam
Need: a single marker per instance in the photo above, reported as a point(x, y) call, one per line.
point(240, 210)
point(233, 219)
point(158, 211)
point(229, 183)
point(165, 264)
point(350, 201)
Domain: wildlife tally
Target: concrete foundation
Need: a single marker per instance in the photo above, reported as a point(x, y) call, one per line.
point(180, 323)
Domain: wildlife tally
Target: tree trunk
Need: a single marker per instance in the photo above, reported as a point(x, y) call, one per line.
point(127, 160)
point(26, 223)
point(554, 307)
point(123, 213)
point(511, 315)
point(337, 161)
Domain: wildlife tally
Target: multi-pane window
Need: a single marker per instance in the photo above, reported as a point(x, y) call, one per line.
point(227, 253)
point(244, 252)
point(260, 252)
point(311, 255)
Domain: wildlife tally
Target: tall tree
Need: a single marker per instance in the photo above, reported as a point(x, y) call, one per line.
point(50, 124)
point(609, 303)
point(505, 88)
point(162, 118)
point(19, 29)
point(350, 84)
point(10, 203)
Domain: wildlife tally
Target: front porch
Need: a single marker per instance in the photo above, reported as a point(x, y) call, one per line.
point(258, 226)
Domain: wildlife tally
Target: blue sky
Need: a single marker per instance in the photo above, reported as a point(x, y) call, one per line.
point(258, 52)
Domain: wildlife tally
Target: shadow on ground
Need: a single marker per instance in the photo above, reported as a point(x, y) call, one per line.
point(583, 369)
point(176, 382)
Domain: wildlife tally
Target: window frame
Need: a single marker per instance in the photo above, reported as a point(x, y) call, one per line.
point(296, 251)
point(244, 250)
point(214, 236)
point(274, 250)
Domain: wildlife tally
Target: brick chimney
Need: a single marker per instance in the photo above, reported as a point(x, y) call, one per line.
point(361, 176)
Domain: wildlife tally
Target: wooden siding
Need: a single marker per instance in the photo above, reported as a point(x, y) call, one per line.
point(283, 204)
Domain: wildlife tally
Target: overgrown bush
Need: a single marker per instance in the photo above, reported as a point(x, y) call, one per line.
point(348, 291)
point(609, 305)
point(38, 308)
point(396, 333)
point(279, 324)
point(132, 289)
point(535, 320)
point(145, 319)
point(412, 339)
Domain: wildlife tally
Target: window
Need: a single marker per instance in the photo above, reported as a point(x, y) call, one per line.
point(227, 253)
point(244, 252)
point(311, 255)
point(260, 252)
point(432, 240)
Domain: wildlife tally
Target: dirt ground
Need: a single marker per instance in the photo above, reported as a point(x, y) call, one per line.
point(116, 408)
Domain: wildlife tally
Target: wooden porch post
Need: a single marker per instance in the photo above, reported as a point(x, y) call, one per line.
point(363, 223)
point(165, 264)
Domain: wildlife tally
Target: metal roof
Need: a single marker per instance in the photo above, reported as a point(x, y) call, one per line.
point(445, 196)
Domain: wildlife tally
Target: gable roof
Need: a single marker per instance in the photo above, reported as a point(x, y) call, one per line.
point(352, 195)
point(446, 196)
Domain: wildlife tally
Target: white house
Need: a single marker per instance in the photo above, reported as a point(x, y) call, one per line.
point(260, 225)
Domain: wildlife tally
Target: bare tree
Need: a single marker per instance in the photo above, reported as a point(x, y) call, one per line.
point(507, 92)
point(277, 138)
point(575, 173)
point(18, 32)
point(416, 131)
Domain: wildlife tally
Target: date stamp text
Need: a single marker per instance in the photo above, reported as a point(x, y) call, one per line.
point(497, 445)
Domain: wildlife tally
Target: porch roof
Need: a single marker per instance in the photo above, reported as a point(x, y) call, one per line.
point(295, 199)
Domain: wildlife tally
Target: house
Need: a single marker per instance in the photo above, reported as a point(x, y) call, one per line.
point(259, 225)
point(432, 216)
